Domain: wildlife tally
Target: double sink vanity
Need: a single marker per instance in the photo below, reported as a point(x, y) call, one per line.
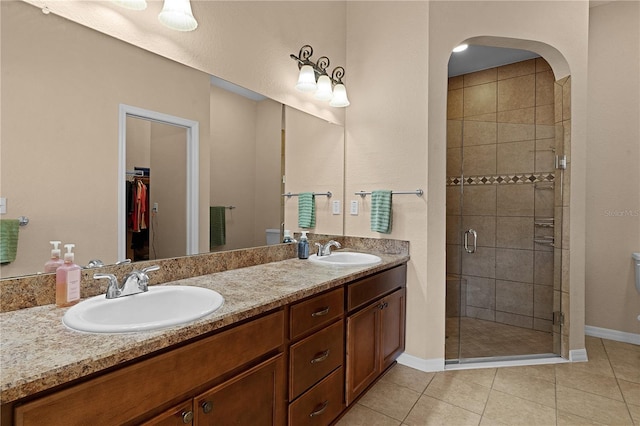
point(294, 342)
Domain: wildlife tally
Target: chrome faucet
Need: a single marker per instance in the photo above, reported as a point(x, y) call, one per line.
point(134, 282)
point(325, 250)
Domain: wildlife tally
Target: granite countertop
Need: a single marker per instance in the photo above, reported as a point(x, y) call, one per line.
point(38, 352)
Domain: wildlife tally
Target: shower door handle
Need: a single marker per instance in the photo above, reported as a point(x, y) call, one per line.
point(466, 241)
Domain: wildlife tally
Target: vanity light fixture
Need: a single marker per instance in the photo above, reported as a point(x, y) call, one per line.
point(175, 14)
point(132, 4)
point(313, 78)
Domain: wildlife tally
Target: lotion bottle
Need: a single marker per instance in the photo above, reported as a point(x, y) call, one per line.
point(68, 280)
point(55, 262)
point(303, 246)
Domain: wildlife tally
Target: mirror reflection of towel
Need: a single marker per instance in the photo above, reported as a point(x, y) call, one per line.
point(8, 239)
point(381, 211)
point(217, 226)
point(306, 210)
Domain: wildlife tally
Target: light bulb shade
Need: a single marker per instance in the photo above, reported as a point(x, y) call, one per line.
point(324, 92)
point(339, 96)
point(177, 15)
point(307, 79)
point(132, 4)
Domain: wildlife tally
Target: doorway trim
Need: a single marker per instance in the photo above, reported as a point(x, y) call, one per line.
point(192, 188)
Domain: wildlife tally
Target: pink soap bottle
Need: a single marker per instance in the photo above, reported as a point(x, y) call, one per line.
point(68, 280)
point(55, 262)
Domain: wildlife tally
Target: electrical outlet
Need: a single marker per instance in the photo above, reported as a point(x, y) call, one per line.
point(354, 207)
point(336, 206)
point(3, 205)
point(155, 207)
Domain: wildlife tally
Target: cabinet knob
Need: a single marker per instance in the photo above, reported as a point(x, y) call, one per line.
point(207, 406)
point(186, 416)
point(321, 312)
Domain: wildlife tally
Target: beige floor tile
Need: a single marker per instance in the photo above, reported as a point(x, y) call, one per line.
point(480, 376)
point(635, 413)
point(612, 346)
point(568, 419)
point(485, 421)
point(589, 382)
point(514, 382)
point(430, 411)
point(359, 415)
point(625, 364)
point(594, 407)
point(630, 391)
point(408, 377)
point(543, 372)
point(459, 392)
point(595, 348)
point(390, 399)
point(512, 410)
point(593, 366)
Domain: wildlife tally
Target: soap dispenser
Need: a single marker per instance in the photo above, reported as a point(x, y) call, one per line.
point(68, 280)
point(55, 262)
point(303, 246)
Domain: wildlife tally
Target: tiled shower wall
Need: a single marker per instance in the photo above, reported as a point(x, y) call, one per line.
point(505, 117)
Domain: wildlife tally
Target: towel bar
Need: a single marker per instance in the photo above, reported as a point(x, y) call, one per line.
point(326, 194)
point(417, 192)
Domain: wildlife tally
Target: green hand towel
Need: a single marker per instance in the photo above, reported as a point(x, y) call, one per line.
point(306, 210)
point(217, 226)
point(8, 239)
point(381, 211)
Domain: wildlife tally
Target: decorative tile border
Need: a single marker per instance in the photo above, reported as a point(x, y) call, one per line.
point(501, 179)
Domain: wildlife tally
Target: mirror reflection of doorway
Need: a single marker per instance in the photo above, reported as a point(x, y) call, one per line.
point(156, 182)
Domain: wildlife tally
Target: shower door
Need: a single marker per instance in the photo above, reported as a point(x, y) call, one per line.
point(503, 245)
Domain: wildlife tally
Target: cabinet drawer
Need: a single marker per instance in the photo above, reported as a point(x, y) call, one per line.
point(321, 404)
point(142, 387)
point(316, 312)
point(314, 357)
point(371, 288)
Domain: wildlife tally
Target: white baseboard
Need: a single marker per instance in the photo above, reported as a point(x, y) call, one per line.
point(578, 355)
point(428, 365)
point(618, 336)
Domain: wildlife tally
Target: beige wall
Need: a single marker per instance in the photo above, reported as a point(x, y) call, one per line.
point(245, 166)
point(613, 174)
point(60, 146)
point(314, 152)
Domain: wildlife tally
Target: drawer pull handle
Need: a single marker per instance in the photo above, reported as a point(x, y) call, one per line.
point(207, 406)
point(321, 358)
point(187, 417)
point(321, 312)
point(320, 410)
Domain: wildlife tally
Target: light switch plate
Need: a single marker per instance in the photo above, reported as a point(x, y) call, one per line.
point(3, 205)
point(354, 207)
point(336, 206)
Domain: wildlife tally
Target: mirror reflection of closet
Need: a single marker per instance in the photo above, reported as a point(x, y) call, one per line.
point(155, 195)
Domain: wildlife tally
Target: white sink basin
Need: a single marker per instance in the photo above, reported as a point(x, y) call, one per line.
point(346, 258)
point(161, 306)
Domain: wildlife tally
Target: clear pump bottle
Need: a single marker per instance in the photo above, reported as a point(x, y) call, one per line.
point(55, 262)
point(68, 280)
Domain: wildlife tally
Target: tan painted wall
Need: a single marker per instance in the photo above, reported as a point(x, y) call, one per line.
point(314, 155)
point(613, 173)
point(245, 166)
point(70, 194)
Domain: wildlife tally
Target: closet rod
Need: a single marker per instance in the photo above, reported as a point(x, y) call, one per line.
point(326, 194)
point(417, 192)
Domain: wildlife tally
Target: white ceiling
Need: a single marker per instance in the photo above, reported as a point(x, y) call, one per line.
point(477, 58)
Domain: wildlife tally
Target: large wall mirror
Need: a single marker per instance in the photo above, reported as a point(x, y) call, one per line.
point(62, 87)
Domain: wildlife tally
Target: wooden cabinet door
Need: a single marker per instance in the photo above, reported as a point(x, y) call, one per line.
point(392, 325)
point(362, 350)
point(179, 415)
point(255, 397)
